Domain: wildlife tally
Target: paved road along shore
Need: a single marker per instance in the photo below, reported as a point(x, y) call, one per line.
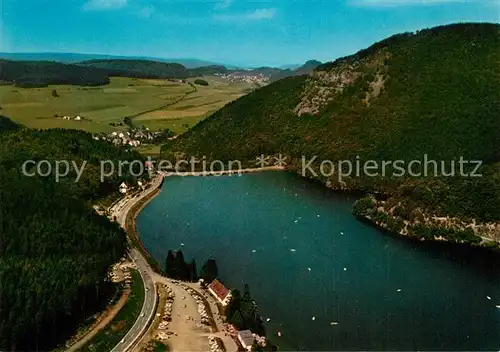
point(121, 210)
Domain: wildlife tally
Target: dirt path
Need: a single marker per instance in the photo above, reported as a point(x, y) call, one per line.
point(106, 317)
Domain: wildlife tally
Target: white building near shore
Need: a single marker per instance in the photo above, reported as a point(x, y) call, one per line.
point(246, 339)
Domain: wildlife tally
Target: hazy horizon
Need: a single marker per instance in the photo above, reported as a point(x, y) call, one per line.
point(232, 32)
point(147, 57)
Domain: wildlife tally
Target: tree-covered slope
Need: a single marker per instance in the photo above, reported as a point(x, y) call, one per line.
point(139, 68)
point(433, 92)
point(29, 74)
point(439, 97)
point(73, 146)
point(55, 250)
point(43, 73)
point(151, 69)
point(7, 124)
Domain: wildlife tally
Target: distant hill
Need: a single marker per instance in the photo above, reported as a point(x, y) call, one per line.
point(74, 58)
point(272, 73)
point(308, 67)
point(97, 71)
point(94, 72)
point(151, 69)
point(289, 67)
point(434, 93)
point(275, 74)
point(43, 73)
point(138, 68)
point(208, 70)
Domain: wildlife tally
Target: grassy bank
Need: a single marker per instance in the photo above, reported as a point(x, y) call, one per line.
point(124, 320)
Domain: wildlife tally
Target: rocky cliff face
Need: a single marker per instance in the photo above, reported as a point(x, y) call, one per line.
point(394, 217)
point(324, 85)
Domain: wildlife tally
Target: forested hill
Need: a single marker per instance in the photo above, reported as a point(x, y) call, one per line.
point(43, 73)
point(97, 72)
point(7, 124)
point(151, 69)
point(139, 68)
point(433, 92)
point(94, 72)
point(308, 67)
point(55, 250)
point(275, 74)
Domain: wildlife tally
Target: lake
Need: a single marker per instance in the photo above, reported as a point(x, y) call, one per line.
point(304, 255)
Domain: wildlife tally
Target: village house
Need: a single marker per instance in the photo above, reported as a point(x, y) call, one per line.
point(220, 292)
point(149, 165)
point(246, 339)
point(140, 134)
point(123, 188)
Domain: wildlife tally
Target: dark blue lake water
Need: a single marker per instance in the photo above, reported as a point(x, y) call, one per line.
point(304, 255)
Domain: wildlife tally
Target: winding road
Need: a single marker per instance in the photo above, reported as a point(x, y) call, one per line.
point(121, 210)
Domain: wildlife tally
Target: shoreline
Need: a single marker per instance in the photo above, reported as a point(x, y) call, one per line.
point(223, 172)
point(140, 205)
point(130, 225)
point(427, 242)
point(489, 244)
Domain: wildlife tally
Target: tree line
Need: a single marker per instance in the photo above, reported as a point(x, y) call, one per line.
point(31, 74)
point(177, 268)
point(55, 250)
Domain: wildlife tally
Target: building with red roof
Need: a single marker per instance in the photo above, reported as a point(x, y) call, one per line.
point(220, 292)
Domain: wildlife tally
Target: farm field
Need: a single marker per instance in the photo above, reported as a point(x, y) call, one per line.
point(195, 106)
point(152, 150)
point(145, 101)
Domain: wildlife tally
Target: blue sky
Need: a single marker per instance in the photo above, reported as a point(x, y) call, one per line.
point(240, 32)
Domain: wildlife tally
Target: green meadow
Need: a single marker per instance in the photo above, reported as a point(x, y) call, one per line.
point(194, 106)
point(155, 103)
